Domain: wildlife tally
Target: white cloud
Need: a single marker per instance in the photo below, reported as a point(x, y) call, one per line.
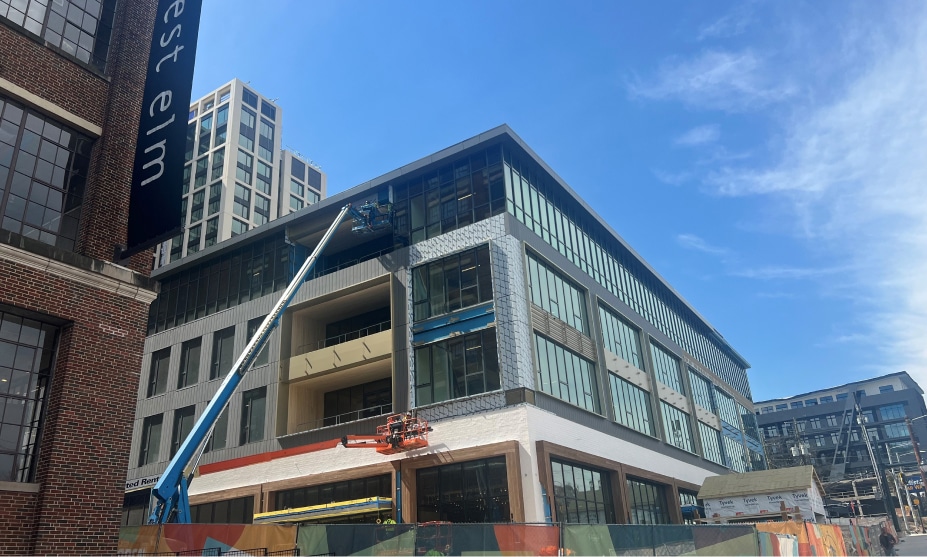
point(778, 295)
point(786, 273)
point(673, 178)
point(853, 170)
point(716, 79)
point(728, 25)
point(691, 241)
point(699, 136)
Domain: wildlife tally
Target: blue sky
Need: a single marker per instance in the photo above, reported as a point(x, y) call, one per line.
point(767, 158)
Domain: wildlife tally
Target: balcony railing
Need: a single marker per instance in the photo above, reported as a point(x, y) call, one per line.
point(353, 416)
point(345, 264)
point(339, 339)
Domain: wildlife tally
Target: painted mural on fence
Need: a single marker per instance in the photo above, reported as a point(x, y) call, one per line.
point(627, 539)
point(214, 538)
point(439, 538)
point(442, 538)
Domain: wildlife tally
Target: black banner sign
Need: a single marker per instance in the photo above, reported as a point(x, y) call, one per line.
point(154, 208)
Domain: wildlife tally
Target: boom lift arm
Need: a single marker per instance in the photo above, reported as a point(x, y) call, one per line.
point(172, 501)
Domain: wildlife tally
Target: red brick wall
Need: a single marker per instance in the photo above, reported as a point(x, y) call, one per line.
point(112, 102)
point(87, 431)
point(105, 213)
point(86, 436)
point(17, 522)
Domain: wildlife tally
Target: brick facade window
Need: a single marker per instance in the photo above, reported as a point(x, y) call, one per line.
point(81, 28)
point(43, 170)
point(27, 348)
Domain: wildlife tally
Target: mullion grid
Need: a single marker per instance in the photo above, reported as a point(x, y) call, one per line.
point(642, 295)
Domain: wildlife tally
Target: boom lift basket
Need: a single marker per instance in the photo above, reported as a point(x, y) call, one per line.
point(402, 432)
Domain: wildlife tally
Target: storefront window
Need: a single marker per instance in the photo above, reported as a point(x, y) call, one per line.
point(581, 495)
point(474, 491)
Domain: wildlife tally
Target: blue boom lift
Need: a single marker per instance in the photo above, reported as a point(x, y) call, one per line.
point(172, 502)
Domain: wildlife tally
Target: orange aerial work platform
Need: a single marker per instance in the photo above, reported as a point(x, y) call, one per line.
point(402, 432)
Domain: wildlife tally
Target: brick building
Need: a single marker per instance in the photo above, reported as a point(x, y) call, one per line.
point(72, 317)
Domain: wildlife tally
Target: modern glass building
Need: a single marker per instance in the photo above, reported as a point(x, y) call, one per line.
point(563, 377)
point(236, 175)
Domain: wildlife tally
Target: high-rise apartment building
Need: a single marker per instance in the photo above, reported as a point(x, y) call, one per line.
point(72, 320)
point(563, 377)
point(237, 176)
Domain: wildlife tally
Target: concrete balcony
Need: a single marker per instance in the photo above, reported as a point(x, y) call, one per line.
point(347, 355)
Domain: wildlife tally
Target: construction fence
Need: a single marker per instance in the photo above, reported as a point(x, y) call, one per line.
point(855, 537)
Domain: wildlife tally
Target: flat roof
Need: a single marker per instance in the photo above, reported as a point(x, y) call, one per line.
point(903, 375)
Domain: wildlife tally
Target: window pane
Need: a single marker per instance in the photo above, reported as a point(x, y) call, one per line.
point(567, 376)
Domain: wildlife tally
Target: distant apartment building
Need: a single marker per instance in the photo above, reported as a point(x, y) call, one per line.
point(72, 314)
point(564, 378)
point(237, 177)
point(825, 427)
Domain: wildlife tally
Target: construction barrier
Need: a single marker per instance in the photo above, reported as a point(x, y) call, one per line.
point(858, 538)
point(207, 539)
point(624, 539)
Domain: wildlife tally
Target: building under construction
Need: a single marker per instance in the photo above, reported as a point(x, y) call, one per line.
point(860, 437)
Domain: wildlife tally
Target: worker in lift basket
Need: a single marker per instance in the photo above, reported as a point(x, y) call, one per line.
point(407, 424)
point(395, 432)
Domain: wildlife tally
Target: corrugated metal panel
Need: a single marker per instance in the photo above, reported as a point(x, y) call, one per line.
point(263, 376)
point(561, 333)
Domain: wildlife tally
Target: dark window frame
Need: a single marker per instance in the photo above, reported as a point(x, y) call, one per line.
point(191, 353)
point(253, 416)
point(223, 344)
point(158, 372)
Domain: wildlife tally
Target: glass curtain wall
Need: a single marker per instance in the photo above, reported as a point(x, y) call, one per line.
point(632, 405)
point(711, 443)
point(677, 427)
point(566, 375)
point(556, 295)
point(257, 269)
point(736, 455)
point(468, 190)
point(461, 366)
point(621, 338)
point(666, 368)
point(452, 283)
point(702, 391)
point(545, 209)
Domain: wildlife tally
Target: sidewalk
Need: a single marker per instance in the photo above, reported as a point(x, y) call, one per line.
point(914, 544)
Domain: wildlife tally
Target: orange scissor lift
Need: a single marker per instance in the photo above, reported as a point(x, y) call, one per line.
point(402, 432)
